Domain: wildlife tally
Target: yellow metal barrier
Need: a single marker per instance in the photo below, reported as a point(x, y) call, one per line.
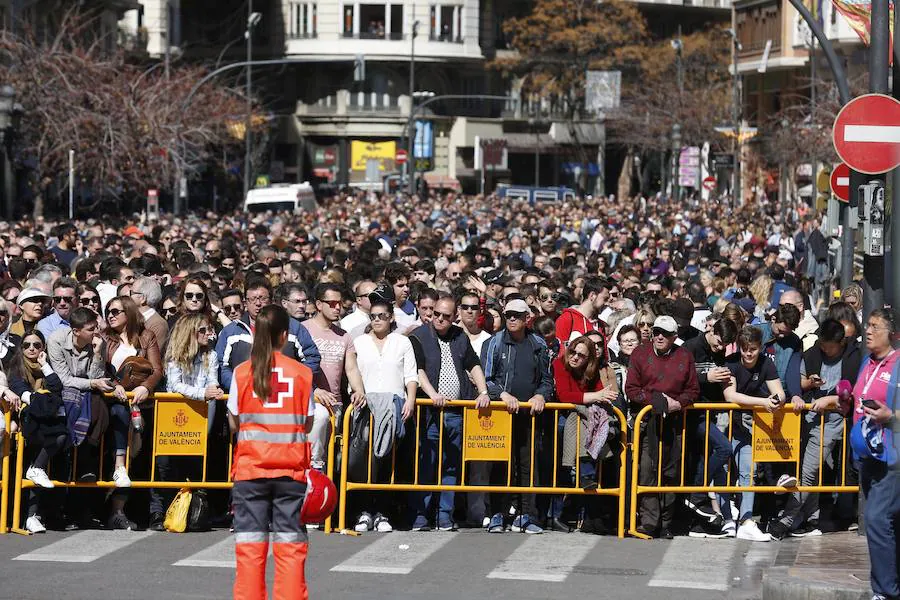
point(619, 492)
point(4, 474)
point(711, 409)
point(161, 404)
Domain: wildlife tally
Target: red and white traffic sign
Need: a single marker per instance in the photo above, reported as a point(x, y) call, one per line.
point(400, 156)
point(866, 134)
point(840, 182)
point(709, 184)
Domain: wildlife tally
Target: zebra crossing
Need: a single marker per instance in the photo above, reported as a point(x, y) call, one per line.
point(550, 559)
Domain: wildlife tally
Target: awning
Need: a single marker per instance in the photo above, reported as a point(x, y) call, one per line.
point(445, 182)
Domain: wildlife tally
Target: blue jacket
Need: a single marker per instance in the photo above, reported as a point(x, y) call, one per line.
point(498, 358)
point(786, 353)
point(235, 341)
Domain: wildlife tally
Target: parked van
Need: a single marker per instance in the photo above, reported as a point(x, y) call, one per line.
point(281, 197)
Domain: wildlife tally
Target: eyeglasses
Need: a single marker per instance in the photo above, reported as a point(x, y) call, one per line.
point(379, 317)
point(444, 316)
point(877, 328)
point(258, 299)
point(331, 303)
point(66, 299)
point(111, 313)
point(199, 296)
point(35, 345)
point(657, 331)
point(85, 300)
point(581, 355)
point(628, 342)
point(171, 311)
point(468, 307)
point(645, 324)
point(514, 316)
point(231, 307)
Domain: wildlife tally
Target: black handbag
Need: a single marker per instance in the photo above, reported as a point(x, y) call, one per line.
point(198, 513)
point(357, 467)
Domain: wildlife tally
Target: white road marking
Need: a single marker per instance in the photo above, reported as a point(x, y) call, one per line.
point(85, 547)
point(385, 556)
point(880, 134)
point(547, 557)
point(219, 555)
point(700, 564)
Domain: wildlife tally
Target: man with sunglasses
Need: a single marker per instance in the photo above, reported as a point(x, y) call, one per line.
point(64, 300)
point(448, 369)
point(358, 320)
point(517, 369)
point(469, 318)
point(664, 376)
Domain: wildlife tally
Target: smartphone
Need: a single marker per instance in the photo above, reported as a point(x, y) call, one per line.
point(816, 378)
point(870, 404)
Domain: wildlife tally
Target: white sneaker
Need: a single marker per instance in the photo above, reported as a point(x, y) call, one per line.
point(38, 477)
point(786, 481)
point(485, 522)
point(33, 525)
point(121, 478)
point(729, 529)
point(749, 530)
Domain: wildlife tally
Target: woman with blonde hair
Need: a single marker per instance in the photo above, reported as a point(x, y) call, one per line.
point(761, 290)
point(643, 322)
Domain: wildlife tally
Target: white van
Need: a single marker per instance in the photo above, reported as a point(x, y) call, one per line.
point(281, 197)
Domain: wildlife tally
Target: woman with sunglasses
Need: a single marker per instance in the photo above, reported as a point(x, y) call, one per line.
point(169, 308)
point(643, 322)
point(87, 296)
point(192, 370)
point(583, 378)
point(126, 336)
point(43, 420)
point(193, 298)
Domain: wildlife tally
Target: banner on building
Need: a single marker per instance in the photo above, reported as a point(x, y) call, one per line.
point(363, 153)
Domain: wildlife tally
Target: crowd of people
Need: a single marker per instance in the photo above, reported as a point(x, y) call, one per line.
point(599, 303)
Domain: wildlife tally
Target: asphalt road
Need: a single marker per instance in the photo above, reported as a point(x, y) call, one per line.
point(100, 565)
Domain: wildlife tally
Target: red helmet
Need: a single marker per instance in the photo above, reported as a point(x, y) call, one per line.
point(321, 497)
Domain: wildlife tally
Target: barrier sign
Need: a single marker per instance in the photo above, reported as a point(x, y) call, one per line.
point(776, 436)
point(488, 434)
point(181, 428)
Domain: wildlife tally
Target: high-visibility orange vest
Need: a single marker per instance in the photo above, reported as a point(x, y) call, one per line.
point(271, 440)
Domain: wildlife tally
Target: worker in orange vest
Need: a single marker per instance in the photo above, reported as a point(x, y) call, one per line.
point(269, 407)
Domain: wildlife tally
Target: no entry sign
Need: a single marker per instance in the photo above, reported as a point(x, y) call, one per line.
point(709, 184)
point(866, 134)
point(840, 182)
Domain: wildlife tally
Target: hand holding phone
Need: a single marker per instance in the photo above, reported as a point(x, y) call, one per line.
point(870, 404)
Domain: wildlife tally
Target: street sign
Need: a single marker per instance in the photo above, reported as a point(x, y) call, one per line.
point(723, 161)
point(153, 203)
point(840, 182)
point(709, 184)
point(400, 156)
point(866, 134)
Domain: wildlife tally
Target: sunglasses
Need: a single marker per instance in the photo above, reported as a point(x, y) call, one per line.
point(199, 296)
point(468, 307)
point(379, 317)
point(444, 316)
point(645, 324)
point(556, 296)
point(514, 316)
point(35, 345)
point(113, 312)
point(331, 303)
point(231, 307)
point(657, 331)
point(203, 330)
point(66, 299)
point(169, 312)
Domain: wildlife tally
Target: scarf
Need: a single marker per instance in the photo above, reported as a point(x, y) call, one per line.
point(33, 374)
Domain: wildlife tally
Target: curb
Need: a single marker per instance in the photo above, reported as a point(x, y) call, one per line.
point(794, 583)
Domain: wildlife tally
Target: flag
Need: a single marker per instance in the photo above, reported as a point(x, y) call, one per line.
point(859, 16)
point(815, 9)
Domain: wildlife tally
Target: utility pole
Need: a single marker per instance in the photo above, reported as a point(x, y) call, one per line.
point(410, 133)
point(736, 193)
point(873, 266)
point(252, 20)
point(894, 223)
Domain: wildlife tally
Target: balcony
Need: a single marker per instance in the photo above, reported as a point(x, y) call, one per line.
point(446, 38)
point(757, 23)
point(374, 35)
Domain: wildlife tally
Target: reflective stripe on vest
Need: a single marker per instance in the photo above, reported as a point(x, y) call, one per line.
point(255, 435)
point(273, 419)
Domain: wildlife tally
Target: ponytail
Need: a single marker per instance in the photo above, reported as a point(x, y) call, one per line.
point(271, 323)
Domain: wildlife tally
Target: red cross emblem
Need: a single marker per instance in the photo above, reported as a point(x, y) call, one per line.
point(282, 387)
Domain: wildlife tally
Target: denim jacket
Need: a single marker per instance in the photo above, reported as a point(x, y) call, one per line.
point(498, 358)
point(192, 384)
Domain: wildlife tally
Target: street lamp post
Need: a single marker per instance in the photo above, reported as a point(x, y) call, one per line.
point(410, 134)
point(736, 192)
point(676, 160)
point(252, 20)
point(7, 106)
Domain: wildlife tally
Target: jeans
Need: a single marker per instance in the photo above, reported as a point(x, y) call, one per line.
point(564, 476)
point(119, 422)
point(881, 487)
point(720, 454)
point(742, 446)
point(428, 463)
point(658, 510)
point(803, 506)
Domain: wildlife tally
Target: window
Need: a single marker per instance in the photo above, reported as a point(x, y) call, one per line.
point(373, 21)
point(445, 23)
point(302, 20)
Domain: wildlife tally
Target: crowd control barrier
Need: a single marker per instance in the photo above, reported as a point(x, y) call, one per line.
point(777, 438)
point(486, 436)
point(179, 430)
point(4, 474)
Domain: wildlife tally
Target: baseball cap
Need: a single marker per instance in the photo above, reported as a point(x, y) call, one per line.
point(496, 276)
point(133, 231)
point(517, 305)
point(666, 323)
point(383, 293)
point(31, 294)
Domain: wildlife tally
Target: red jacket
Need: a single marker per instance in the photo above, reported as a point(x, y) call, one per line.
point(570, 390)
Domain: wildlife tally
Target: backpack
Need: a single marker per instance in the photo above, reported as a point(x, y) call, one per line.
point(869, 439)
point(198, 513)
